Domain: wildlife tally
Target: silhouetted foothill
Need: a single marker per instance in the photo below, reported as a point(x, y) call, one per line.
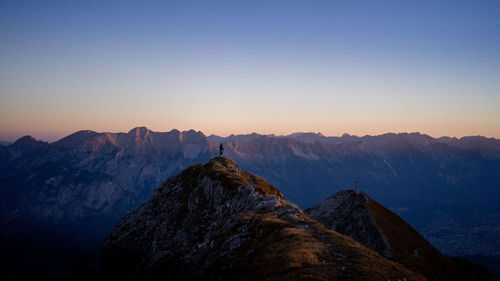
point(355, 214)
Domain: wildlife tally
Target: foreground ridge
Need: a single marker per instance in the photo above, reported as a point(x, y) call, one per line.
point(355, 214)
point(218, 222)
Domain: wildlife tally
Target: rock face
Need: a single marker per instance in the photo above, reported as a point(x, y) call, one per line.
point(217, 222)
point(90, 175)
point(356, 215)
point(346, 212)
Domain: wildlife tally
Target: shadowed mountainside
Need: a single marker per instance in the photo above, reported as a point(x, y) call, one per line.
point(356, 215)
point(217, 222)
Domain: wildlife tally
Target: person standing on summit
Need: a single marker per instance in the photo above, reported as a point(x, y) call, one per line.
point(221, 149)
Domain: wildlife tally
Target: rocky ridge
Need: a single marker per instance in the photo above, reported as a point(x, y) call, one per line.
point(218, 222)
point(355, 214)
point(346, 212)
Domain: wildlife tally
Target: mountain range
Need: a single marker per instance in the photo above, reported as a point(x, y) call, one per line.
point(75, 189)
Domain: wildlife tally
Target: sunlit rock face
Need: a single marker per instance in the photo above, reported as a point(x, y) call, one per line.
point(89, 174)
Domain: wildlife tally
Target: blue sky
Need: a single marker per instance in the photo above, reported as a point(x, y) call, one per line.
point(362, 67)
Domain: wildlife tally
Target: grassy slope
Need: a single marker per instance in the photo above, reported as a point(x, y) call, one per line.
point(412, 250)
point(303, 249)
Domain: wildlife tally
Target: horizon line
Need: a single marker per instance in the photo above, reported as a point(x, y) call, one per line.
point(52, 140)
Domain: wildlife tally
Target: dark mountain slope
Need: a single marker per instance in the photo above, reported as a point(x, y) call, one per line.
point(355, 214)
point(217, 222)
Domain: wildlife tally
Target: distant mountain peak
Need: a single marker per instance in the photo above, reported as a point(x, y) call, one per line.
point(238, 138)
point(28, 142)
point(297, 134)
point(25, 140)
point(308, 137)
point(82, 134)
point(76, 139)
point(139, 131)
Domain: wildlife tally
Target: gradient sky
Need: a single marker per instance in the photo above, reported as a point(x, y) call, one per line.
point(361, 67)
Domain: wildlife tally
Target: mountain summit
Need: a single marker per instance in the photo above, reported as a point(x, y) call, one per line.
point(218, 222)
point(355, 214)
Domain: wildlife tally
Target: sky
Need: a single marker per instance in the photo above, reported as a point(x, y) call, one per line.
point(223, 67)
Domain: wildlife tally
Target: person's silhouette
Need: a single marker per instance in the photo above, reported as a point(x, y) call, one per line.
point(221, 149)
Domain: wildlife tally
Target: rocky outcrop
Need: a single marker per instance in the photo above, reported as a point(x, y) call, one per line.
point(355, 214)
point(346, 212)
point(218, 222)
